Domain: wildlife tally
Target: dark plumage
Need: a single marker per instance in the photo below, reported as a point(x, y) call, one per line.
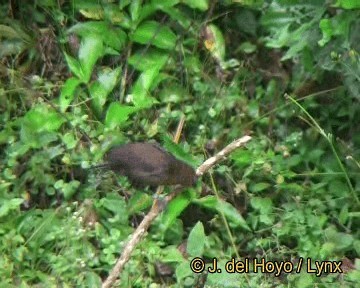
point(149, 164)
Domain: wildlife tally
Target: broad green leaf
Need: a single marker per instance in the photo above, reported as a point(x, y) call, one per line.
point(202, 5)
point(338, 188)
point(68, 189)
point(113, 14)
point(6, 136)
point(135, 8)
point(96, 14)
point(226, 280)
point(92, 279)
point(348, 4)
point(215, 43)
point(75, 67)
point(175, 208)
point(292, 188)
point(164, 3)
point(252, 3)
point(141, 89)
point(344, 214)
point(327, 31)
point(258, 187)
point(196, 241)
point(139, 202)
point(178, 151)
point(177, 15)
point(114, 203)
point(183, 270)
point(247, 47)
point(242, 158)
point(156, 34)
point(43, 118)
point(111, 36)
point(9, 205)
point(69, 140)
point(91, 49)
point(68, 93)
point(172, 254)
point(108, 78)
point(34, 139)
point(118, 114)
point(264, 205)
point(100, 89)
point(229, 211)
point(148, 60)
point(84, 29)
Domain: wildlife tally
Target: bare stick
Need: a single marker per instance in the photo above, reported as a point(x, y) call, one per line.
point(159, 205)
point(204, 167)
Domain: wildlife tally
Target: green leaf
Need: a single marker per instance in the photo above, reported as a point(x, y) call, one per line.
point(135, 7)
point(215, 42)
point(92, 279)
point(68, 93)
point(242, 158)
point(148, 60)
point(100, 89)
point(196, 241)
point(258, 187)
point(229, 211)
point(156, 34)
point(139, 202)
point(40, 118)
point(344, 214)
point(348, 4)
point(91, 49)
point(294, 188)
point(172, 254)
point(264, 205)
point(74, 66)
point(338, 188)
point(177, 15)
point(9, 205)
point(326, 29)
point(68, 189)
point(114, 203)
point(183, 270)
point(117, 114)
point(247, 47)
point(69, 140)
point(202, 5)
point(341, 240)
point(142, 87)
point(108, 78)
point(6, 135)
point(178, 151)
point(165, 3)
point(226, 280)
point(175, 208)
point(114, 14)
point(265, 208)
point(111, 36)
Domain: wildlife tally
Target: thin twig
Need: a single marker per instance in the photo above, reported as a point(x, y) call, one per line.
point(204, 167)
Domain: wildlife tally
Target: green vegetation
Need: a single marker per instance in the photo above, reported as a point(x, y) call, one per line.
point(80, 76)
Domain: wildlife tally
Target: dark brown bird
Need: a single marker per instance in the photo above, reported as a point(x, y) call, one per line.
point(148, 164)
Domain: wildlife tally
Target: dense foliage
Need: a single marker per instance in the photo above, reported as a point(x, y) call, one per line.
point(78, 77)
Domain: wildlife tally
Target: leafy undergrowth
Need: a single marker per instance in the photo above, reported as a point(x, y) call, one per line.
point(76, 80)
